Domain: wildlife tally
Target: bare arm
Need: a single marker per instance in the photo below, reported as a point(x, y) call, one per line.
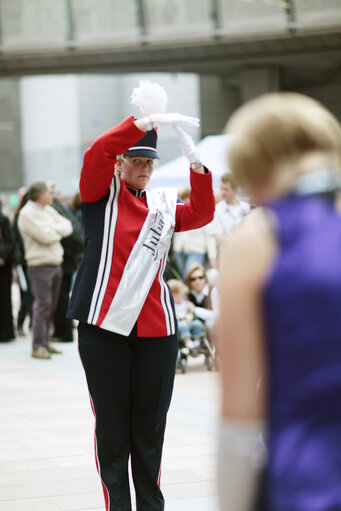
point(247, 260)
point(248, 257)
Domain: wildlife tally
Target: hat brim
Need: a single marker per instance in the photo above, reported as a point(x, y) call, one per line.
point(146, 153)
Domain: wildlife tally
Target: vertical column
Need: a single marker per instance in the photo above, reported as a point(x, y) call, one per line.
point(254, 82)
point(70, 24)
point(141, 17)
point(1, 29)
point(10, 140)
point(218, 100)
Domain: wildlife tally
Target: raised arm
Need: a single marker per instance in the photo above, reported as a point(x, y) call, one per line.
point(99, 159)
point(199, 211)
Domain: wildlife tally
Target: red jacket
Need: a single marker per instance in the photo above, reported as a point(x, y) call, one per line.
point(113, 217)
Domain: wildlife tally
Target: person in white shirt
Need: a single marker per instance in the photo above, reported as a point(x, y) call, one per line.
point(229, 211)
point(195, 246)
point(42, 230)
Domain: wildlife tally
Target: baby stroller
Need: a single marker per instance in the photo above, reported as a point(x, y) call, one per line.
point(203, 348)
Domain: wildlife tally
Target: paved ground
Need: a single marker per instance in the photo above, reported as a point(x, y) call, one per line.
point(46, 436)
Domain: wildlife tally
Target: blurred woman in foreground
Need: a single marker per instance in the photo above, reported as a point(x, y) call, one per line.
point(280, 327)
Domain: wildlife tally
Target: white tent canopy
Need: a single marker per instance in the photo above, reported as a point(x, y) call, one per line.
point(212, 152)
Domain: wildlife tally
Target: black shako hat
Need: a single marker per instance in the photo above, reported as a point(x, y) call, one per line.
point(146, 146)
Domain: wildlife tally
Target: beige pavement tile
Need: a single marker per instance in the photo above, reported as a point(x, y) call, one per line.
point(198, 438)
point(47, 475)
point(189, 450)
point(6, 445)
point(82, 440)
point(24, 410)
point(74, 430)
point(179, 429)
point(33, 454)
point(209, 473)
point(18, 465)
point(74, 461)
point(30, 505)
point(188, 462)
point(169, 477)
point(76, 405)
point(88, 420)
point(48, 489)
point(193, 504)
point(24, 434)
point(80, 502)
point(188, 490)
point(35, 424)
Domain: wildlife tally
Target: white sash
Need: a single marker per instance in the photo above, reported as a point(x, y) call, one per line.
point(142, 266)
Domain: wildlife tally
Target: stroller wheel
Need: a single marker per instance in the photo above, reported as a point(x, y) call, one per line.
point(209, 363)
point(181, 363)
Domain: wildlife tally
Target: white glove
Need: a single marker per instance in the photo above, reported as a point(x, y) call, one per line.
point(187, 145)
point(170, 120)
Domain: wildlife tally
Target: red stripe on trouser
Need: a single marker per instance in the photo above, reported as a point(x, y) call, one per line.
point(104, 488)
point(159, 479)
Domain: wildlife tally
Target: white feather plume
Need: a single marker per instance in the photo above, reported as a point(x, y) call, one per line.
point(150, 97)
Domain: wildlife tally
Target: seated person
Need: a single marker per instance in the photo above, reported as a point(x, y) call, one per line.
point(190, 329)
point(204, 297)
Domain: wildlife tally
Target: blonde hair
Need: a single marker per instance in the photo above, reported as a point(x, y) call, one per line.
point(176, 286)
point(194, 267)
point(229, 178)
point(184, 194)
point(119, 158)
point(273, 132)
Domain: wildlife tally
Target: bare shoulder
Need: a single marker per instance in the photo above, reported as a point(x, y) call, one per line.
point(250, 249)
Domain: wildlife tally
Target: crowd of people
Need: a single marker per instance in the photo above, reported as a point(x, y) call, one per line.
point(263, 286)
point(41, 244)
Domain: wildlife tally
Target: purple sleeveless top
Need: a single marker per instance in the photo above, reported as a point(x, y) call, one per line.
point(302, 311)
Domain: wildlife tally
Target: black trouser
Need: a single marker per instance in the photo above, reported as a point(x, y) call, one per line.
point(63, 328)
point(130, 381)
point(6, 318)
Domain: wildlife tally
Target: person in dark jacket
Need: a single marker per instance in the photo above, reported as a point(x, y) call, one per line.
point(26, 295)
point(6, 253)
point(73, 250)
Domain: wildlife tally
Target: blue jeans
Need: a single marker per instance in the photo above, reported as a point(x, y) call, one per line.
point(193, 329)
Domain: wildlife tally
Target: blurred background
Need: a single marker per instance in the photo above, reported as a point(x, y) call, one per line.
point(67, 69)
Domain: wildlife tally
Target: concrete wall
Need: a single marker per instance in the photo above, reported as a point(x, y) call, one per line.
point(328, 94)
